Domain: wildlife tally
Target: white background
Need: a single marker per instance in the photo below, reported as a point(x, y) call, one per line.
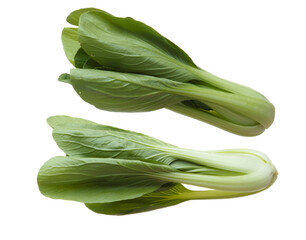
point(260, 44)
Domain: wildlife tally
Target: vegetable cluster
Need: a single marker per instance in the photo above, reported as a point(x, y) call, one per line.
point(115, 171)
point(124, 65)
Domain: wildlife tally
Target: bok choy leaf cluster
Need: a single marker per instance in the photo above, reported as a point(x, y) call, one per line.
point(124, 65)
point(115, 171)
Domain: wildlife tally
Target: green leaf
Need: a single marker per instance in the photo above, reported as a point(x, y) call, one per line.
point(98, 180)
point(131, 46)
point(147, 202)
point(159, 199)
point(70, 43)
point(73, 18)
point(84, 61)
point(124, 92)
point(64, 77)
point(62, 120)
point(77, 138)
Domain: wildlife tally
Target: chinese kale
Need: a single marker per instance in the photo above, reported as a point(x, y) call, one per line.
point(124, 65)
point(115, 171)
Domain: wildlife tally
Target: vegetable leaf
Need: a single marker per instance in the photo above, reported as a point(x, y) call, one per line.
point(86, 139)
point(74, 17)
point(94, 180)
point(159, 199)
point(131, 46)
point(123, 92)
point(70, 43)
point(147, 202)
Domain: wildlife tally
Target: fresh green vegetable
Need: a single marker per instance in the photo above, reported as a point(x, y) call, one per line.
point(116, 171)
point(124, 65)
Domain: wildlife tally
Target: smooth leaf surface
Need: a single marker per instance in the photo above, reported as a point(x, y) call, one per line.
point(131, 46)
point(148, 202)
point(70, 43)
point(86, 139)
point(94, 180)
point(74, 17)
point(124, 92)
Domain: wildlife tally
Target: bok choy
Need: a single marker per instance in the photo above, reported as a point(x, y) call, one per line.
point(115, 171)
point(124, 65)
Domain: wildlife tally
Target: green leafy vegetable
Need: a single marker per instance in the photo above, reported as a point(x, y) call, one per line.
point(124, 65)
point(116, 171)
